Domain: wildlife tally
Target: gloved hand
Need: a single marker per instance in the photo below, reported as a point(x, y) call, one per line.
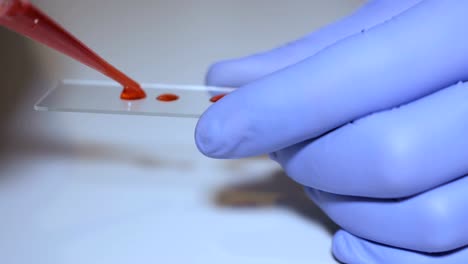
point(368, 114)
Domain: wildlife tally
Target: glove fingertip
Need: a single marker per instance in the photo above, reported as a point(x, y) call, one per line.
point(348, 249)
point(216, 75)
point(228, 73)
point(340, 248)
point(222, 128)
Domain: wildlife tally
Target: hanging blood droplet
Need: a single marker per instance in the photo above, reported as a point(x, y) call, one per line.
point(167, 97)
point(216, 98)
point(132, 93)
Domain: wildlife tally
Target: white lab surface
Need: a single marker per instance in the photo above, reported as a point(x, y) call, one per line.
point(110, 189)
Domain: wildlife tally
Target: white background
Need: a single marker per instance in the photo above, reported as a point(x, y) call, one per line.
point(83, 188)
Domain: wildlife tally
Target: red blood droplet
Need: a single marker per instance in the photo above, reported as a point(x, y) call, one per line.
point(216, 98)
point(132, 93)
point(167, 97)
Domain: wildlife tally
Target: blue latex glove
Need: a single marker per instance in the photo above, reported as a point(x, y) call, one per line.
point(366, 113)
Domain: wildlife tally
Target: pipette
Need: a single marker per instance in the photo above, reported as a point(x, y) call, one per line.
point(26, 19)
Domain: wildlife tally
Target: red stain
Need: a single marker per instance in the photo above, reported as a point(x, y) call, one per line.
point(26, 19)
point(216, 98)
point(167, 97)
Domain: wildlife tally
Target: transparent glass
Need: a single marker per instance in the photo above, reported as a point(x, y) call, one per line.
point(104, 98)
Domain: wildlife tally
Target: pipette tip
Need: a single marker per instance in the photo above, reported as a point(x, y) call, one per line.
point(132, 93)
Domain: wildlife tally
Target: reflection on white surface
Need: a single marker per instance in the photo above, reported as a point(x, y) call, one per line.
point(102, 208)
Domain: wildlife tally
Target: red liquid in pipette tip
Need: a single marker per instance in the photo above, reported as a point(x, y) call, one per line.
point(24, 18)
